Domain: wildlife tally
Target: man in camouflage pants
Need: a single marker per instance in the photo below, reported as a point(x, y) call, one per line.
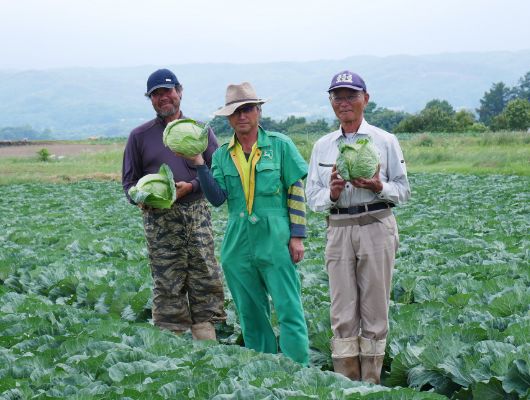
point(188, 291)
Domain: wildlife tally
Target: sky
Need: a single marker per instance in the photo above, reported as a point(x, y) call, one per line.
point(42, 34)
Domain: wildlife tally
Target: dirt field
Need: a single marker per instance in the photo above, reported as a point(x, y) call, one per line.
point(58, 149)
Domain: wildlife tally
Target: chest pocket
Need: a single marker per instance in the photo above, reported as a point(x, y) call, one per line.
point(232, 182)
point(324, 171)
point(268, 180)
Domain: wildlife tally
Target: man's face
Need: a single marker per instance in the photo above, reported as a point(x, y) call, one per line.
point(245, 119)
point(348, 104)
point(166, 101)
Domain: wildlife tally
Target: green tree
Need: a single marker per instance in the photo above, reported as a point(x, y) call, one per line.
point(442, 105)
point(493, 102)
point(437, 116)
point(437, 119)
point(464, 120)
point(386, 119)
point(514, 117)
point(370, 108)
point(499, 123)
point(383, 118)
point(411, 124)
point(522, 91)
point(220, 126)
point(269, 124)
point(292, 124)
point(318, 126)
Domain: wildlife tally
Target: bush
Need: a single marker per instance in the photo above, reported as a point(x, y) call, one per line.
point(514, 117)
point(478, 127)
point(43, 154)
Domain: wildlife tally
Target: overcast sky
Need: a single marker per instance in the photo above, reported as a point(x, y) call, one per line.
point(40, 34)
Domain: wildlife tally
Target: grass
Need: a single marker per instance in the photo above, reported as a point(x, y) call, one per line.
point(104, 165)
point(503, 153)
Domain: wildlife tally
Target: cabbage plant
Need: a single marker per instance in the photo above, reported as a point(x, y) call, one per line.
point(155, 190)
point(186, 137)
point(358, 160)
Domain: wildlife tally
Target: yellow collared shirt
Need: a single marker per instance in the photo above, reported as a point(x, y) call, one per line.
point(246, 167)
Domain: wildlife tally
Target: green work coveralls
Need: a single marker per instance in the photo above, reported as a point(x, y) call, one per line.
point(255, 254)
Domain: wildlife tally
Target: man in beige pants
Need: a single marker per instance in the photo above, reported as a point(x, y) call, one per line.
point(362, 232)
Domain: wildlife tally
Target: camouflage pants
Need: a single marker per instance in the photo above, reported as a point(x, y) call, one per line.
point(187, 280)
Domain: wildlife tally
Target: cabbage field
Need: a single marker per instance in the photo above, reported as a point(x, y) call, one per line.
point(75, 292)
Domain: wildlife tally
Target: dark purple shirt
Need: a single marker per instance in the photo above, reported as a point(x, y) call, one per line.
point(145, 152)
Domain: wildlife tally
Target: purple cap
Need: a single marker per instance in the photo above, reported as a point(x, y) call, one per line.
point(348, 80)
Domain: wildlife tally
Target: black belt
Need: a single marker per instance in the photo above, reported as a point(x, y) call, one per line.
point(361, 209)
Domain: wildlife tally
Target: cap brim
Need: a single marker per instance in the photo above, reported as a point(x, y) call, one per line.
point(164, 85)
point(346, 87)
point(229, 110)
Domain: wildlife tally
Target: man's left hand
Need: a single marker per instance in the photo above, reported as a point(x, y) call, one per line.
point(374, 184)
point(183, 188)
point(296, 249)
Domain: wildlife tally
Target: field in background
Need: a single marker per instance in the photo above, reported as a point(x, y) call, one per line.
point(67, 162)
point(504, 153)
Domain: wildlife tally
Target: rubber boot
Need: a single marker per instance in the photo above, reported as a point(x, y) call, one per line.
point(372, 356)
point(350, 367)
point(203, 331)
point(345, 356)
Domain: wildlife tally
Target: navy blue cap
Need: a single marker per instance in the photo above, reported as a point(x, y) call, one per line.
point(348, 80)
point(161, 78)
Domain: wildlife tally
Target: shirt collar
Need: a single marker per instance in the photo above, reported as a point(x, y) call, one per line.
point(263, 139)
point(364, 129)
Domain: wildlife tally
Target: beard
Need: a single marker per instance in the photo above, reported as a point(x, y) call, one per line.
point(166, 112)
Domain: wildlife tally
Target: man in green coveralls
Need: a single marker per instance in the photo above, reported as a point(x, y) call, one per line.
point(260, 174)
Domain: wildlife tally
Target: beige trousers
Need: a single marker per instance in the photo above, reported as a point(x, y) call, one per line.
point(360, 255)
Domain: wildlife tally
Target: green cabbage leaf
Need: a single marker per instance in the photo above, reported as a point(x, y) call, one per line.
point(186, 137)
point(155, 190)
point(358, 160)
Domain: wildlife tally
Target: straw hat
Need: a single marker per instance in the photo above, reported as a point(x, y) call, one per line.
point(237, 95)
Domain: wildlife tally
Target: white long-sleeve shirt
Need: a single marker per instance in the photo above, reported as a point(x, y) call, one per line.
point(393, 171)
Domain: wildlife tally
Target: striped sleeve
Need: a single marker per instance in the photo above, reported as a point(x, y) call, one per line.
point(296, 206)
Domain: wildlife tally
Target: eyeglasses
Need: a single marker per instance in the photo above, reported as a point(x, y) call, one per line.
point(348, 99)
point(244, 109)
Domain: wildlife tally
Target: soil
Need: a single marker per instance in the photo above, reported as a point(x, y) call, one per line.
point(58, 149)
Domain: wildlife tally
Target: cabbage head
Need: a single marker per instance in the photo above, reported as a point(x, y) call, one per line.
point(186, 136)
point(155, 190)
point(358, 160)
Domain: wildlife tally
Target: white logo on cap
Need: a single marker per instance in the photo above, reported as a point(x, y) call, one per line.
point(344, 78)
point(168, 79)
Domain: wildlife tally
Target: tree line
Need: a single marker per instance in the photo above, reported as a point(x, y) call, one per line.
point(501, 108)
point(25, 132)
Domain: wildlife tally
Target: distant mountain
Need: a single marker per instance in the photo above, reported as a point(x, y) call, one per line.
point(77, 102)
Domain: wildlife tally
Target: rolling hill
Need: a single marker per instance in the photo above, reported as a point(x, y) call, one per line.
point(77, 102)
